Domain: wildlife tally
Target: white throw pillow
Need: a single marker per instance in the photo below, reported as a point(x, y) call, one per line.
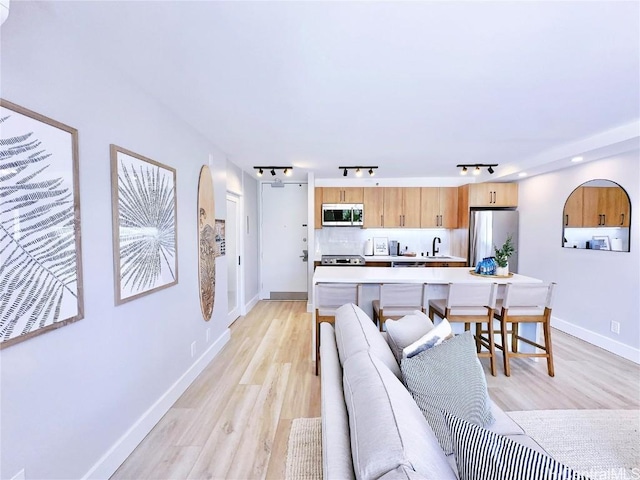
point(405, 331)
point(432, 338)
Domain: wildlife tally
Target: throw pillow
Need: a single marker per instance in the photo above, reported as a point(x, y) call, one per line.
point(449, 377)
point(481, 455)
point(432, 338)
point(403, 332)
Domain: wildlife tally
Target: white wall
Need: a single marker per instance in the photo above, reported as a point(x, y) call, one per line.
point(594, 287)
point(71, 398)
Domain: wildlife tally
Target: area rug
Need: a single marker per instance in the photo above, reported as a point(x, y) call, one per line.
point(596, 443)
point(304, 452)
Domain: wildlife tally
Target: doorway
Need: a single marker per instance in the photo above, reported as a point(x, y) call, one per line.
point(234, 260)
point(284, 241)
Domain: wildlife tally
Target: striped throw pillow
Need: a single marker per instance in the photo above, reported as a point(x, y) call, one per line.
point(484, 455)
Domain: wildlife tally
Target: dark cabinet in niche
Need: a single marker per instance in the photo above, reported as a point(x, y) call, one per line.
point(597, 215)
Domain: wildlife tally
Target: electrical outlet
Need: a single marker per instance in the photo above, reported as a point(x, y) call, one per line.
point(193, 349)
point(208, 335)
point(615, 327)
point(19, 475)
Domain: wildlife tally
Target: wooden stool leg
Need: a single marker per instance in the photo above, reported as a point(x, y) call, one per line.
point(478, 335)
point(505, 347)
point(547, 344)
point(514, 337)
point(492, 347)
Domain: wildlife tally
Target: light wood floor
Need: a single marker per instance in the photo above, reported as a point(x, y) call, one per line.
point(233, 422)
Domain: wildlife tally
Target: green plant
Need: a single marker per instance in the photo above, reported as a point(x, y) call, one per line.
point(503, 253)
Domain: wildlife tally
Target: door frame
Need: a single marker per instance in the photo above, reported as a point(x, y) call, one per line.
point(261, 236)
point(240, 307)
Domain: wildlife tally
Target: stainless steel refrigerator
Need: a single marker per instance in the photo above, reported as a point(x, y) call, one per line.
point(489, 228)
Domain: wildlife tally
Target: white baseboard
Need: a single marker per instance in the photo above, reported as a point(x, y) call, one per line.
point(251, 303)
point(597, 339)
point(119, 451)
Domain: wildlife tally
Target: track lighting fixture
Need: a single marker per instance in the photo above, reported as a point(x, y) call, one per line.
point(477, 167)
point(288, 171)
point(359, 169)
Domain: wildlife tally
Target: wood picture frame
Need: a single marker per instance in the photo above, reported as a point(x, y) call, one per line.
point(41, 262)
point(145, 218)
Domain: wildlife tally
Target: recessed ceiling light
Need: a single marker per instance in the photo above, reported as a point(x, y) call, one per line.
point(522, 174)
point(577, 159)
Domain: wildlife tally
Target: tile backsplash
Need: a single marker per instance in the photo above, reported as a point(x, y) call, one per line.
point(351, 240)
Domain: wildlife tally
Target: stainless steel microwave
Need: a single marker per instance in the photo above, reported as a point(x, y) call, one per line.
point(342, 214)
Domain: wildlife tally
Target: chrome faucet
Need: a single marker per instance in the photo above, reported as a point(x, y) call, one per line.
point(435, 249)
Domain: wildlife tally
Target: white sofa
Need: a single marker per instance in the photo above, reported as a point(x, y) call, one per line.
point(371, 426)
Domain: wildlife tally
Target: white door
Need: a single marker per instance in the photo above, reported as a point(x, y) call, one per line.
point(232, 244)
point(284, 242)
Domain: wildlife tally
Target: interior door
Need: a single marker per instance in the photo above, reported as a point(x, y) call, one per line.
point(233, 257)
point(284, 242)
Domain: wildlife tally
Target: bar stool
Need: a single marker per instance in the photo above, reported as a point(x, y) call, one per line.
point(397, 300)
point(327, 299)
point(525, 303)
point(471, 303)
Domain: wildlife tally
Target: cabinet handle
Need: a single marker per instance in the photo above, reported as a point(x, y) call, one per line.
point(494, 197)
point(622, 219)
point(604, 219)
point(566, 220)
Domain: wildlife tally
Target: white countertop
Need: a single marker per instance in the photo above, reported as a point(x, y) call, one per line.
point(434, 275)
point(417, 258)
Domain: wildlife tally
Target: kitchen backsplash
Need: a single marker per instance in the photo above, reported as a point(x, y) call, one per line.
point(350, 241)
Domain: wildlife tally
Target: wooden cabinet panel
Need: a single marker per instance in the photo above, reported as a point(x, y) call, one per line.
point(411, 207)
point(393, 198)
point(605, 207)
point(401, 207)
point(342, 194)
point(373, 200)
point(439, 207)
point(573, 209)
point(317, 207)
point(493, 195)
point(430, 207)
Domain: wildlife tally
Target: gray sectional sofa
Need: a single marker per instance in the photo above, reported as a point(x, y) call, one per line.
point(371, 426)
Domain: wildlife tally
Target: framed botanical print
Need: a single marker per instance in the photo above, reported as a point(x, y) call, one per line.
point(40, 252)
point(145, 237)
point(206, 243)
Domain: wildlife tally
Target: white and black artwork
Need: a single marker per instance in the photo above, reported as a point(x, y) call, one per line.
point(40, 256)
point(144, 225)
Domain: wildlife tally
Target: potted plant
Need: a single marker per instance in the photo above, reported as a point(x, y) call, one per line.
point(502, 256)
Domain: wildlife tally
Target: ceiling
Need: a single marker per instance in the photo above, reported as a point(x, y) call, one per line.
point(412, 87)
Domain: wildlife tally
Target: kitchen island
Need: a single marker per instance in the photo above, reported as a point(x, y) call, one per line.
point(436, 279)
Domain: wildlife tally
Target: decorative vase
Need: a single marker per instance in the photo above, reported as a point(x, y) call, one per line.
point(502, 271)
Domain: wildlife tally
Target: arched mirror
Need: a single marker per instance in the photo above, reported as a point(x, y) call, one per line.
point(597, 215)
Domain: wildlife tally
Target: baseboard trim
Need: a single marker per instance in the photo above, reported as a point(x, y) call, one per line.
point(610, 345)
point(122, 448)
point(251, 303)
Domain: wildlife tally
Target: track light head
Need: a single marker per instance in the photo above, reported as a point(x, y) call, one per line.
point(273, 172)
point(288, 172)
point(260, 172)
point(358, 172)
point(463, 171)
point(476, 171)
point(490, 169)
point(371, 172)
point(344, 174)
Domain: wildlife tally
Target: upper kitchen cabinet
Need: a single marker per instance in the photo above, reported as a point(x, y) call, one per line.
point(605, 207)
point(439, 207)
point(597, 215)
point(573, 209)
point(317, 207)
point(401, 207)
point(342, 194)
point(493, 195)
point(373, 207)
point(490, 195)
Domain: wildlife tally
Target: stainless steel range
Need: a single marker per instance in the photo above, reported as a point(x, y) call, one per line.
point(343, 260)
